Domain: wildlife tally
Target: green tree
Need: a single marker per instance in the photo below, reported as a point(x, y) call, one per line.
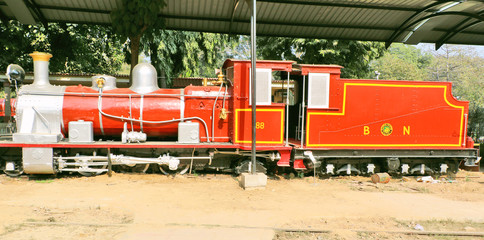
point(459, 65)
point(355, 56)
point(16, 41)
point(186, 54)
point(403, 62)
point(468, 84)
point(75, 47)
point(239, 48)
point(134, 18)
point(85, 48)
point(476, 123)
point(464, 69)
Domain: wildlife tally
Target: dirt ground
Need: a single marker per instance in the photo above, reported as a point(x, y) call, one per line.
point(153, 206)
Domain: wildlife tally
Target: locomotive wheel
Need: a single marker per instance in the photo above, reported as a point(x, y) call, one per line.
point(452, 170)
point(243, 167)
point(138, 168)
point(19, 170)
point(182, 169)
point(91, 174)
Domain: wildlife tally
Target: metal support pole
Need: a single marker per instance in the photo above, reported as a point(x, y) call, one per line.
point(287, 110)
point(110, 164)
point(303, 111)
point(253, 84)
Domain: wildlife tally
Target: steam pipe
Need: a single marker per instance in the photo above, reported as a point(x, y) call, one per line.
point(213, 111)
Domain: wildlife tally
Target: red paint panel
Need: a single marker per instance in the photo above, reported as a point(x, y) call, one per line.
point(388, 114)
point(199, 102)
point(275, 65)
point(269, 125)
point(331, 69)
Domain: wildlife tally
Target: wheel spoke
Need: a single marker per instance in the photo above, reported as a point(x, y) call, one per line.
point(182, 169)
point(16, 172)
point(90, 174)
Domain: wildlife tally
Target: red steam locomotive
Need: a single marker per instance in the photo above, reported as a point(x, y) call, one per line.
point(308, 118)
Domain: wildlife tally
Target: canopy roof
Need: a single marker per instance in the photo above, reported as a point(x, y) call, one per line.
point(408, 21)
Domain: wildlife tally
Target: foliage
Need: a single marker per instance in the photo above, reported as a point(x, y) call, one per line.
point(84, 48)
point(75, 47)
point(476, 122)
point(355, 56)
point(134, 18)
point(16, 42)
point(186, 54)
point(465, 69)
point(403, 62)
point(239, 48)
point(459, 65)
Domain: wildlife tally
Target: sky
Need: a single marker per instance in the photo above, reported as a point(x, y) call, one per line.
point(428, 46)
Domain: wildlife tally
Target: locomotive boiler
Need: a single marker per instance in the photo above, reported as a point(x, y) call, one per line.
point(308, 118)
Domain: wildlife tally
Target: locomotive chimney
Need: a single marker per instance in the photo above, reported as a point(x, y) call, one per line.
point(41, 68)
